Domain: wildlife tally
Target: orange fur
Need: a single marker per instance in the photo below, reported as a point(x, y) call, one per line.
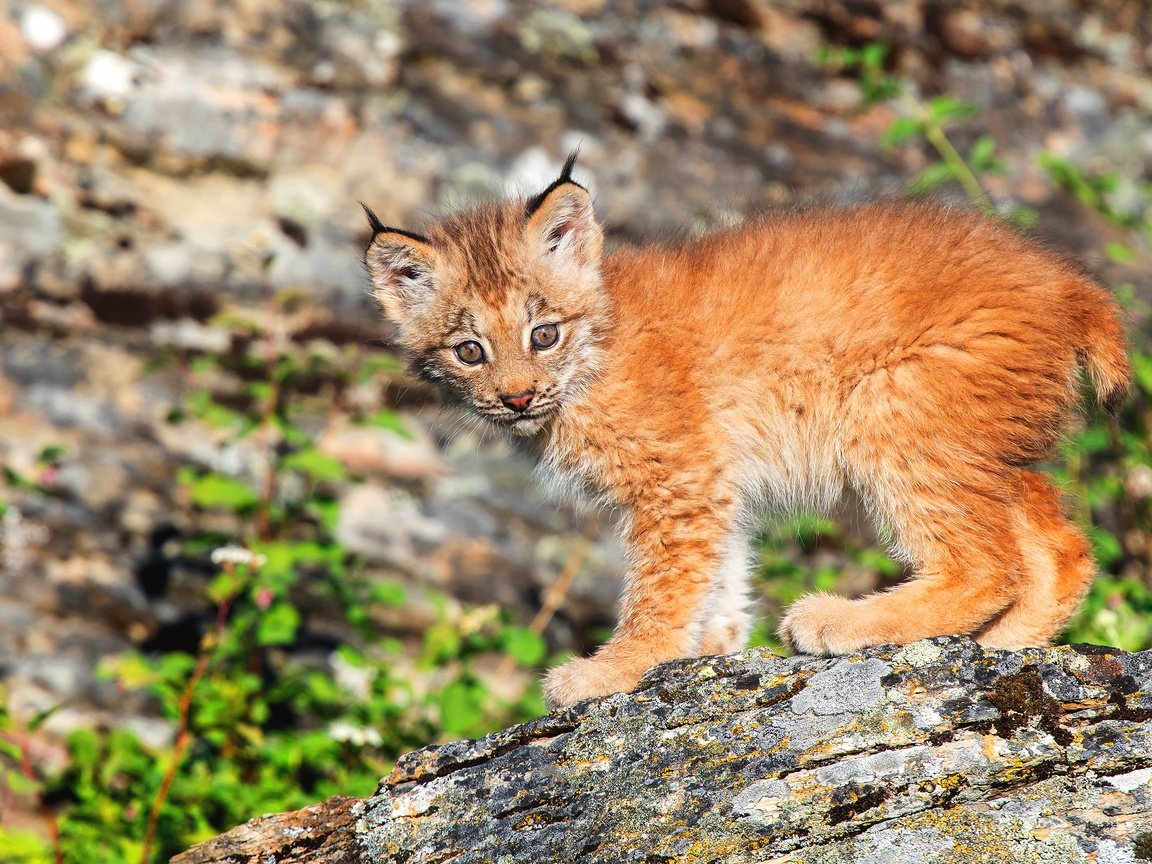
point(919, 355)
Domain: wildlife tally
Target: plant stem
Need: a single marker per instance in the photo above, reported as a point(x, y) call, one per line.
point(556, 592)
point(952, 158)
point(183, 735)
point(947, 151)
point(45, 811)
point(268, 491)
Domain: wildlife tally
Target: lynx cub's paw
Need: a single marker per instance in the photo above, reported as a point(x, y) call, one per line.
point(586, 678)
point(825, 624)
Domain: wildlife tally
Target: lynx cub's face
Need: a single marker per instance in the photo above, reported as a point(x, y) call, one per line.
point(503, 305)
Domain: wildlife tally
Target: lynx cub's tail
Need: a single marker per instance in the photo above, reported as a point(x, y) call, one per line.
point(1102, 347)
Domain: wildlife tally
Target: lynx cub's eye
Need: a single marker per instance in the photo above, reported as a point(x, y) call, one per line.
point(545, 336)
point(470, 352)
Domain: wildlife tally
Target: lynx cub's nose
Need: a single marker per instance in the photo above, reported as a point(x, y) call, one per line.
point(519, 402)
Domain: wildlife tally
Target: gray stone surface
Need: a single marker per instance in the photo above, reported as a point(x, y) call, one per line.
point(938, 753)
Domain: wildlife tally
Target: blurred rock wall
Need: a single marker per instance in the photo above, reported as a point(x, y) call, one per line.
point(150, 145)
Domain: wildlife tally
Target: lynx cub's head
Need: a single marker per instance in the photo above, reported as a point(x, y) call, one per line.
point(501, 305)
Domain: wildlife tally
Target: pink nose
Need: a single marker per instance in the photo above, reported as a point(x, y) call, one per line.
point(519, 402)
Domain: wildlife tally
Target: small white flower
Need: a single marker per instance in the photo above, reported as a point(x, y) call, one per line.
point(361, 736)
point(238, 555)
point(1138, 483)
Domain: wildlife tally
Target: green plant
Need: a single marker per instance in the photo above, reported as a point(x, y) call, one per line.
point(259, 724)
point(930, 121)
point(18, 777)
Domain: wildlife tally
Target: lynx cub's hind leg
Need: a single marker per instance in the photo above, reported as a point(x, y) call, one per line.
point(726, 620)
point(966, 568)
point(950, 509)
point(1058, 570)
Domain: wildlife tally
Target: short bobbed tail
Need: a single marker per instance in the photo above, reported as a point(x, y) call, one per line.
point(1103, 348)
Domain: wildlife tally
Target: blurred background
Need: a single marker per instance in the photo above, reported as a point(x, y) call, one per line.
point(246, 562)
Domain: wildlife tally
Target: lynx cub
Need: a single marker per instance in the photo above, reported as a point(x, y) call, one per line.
point(921, 356)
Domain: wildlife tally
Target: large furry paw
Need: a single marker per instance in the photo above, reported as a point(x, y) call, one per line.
point(827, 624)
point(587, 678)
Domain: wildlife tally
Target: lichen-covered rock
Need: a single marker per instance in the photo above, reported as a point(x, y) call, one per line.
point(939, 751)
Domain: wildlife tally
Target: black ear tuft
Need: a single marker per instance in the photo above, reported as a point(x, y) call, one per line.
point(569, 164)
point(535, 201)
point(373, 220)
point(379, 227)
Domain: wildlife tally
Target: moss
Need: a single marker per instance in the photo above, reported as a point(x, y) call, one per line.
point(1124, 711)
point(1022, 702)
point(851, 801)
point(1142, 846)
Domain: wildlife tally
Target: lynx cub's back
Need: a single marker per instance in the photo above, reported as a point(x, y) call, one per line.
point(920, 356)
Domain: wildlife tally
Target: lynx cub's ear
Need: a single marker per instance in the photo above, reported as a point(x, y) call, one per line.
point(402, 265)
point(561, 220)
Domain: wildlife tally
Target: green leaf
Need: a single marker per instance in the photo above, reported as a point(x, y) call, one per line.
point(441, 642)
point(901, 129)
point(42, 717)
point(202, 364)
point(460, 704)
point(526, 645)
point(930, 178)
point(278, 625)
point(880, 561)
point(319, 466)
point(202, 404)
point(227, 584)
point(944, 108)
point(131, 671)
point(23, 847)
point(391, 421)
point(20, 784)
point(1142, 369)
point(982, 156)
point(389, 593)
point(259, 391)
point(328, 512)
point(1095, 440)
point(1107, 548)
point(376, 365)
point(1023, 217)
point(10, 750)
point(51, 453)
point(217, 490)
point(872, 55)
point(1120, 252)
point(176, 666)
point(15, 480)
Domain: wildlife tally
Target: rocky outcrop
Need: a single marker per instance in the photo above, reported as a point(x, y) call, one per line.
point(939, 751)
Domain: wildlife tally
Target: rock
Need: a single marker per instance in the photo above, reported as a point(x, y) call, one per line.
point(940, 751)
point(108, 75)
point(194, 108)
point(29, 229)
point(405, 454)
point(42, 28)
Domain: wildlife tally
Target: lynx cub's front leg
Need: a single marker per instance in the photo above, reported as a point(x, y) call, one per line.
point(678, 547)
